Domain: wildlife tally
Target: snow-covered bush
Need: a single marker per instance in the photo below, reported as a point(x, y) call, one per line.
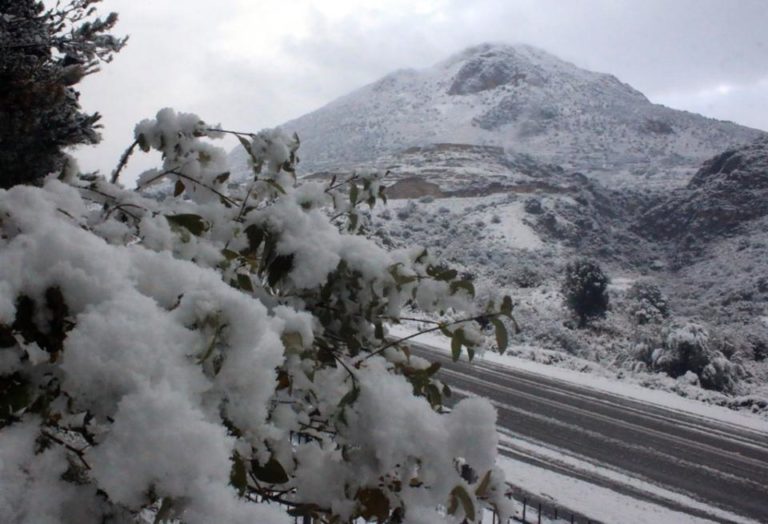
point(647, 303)
point(527, 277)
point(222, 355)
point(686, 348)
point(585, 288)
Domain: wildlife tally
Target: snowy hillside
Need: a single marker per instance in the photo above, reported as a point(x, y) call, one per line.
point(522, 99)
point(483, 155)
point(511, 224)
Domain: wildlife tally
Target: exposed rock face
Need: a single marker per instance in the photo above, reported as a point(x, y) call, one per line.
point(486, 71)
point(728, 191)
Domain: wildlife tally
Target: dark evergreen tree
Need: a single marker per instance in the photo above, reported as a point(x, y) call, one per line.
point(585, 290)
point(43, 54)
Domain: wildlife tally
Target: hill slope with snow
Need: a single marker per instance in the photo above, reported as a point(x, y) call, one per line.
point(519, 98)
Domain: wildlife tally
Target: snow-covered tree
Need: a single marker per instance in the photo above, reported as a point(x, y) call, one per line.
point(43, 54)
point(221, 355)
point(585, 288)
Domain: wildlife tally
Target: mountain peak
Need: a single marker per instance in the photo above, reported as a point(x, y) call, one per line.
point(520, 98)
point(499, 51)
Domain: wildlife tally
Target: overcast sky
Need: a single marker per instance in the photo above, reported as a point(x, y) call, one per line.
point(250, 64)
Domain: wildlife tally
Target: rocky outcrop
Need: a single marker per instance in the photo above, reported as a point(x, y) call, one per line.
point(728, 191)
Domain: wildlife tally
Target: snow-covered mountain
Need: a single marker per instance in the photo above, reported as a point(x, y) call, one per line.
point(519, 98)
point(487, 154)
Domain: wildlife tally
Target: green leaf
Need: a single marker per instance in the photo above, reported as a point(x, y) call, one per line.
point(178, 188)
point(238, 476)
point(456, 341)
point(382, 194)
point(378, 330)
point(279, 268)
point(220, 179)
point(353, 219)
point(15, 395)
point(446, 391)
point(453, 504)
point(272, 472)
point(212, 343)
point(506, 306)
point(275, 185)
point(143, 143)
point(255, 237)
point(244, 282)
point(192, 223)
point(292, 341)
point(398, 278)
point(165, 513)
point(229, 254)
point(354, 192)
point(433, 395)
point(485, 483)
point(245, 143)
point(502, 339)
point(433, 368)
point(350, 397)
point(460, 494)
point(442, 273)
point(444, 330)
point(462, 284)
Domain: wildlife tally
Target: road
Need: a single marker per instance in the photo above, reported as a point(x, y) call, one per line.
point(707, 460)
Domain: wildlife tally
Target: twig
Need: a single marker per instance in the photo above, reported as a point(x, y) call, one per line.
point(120, 207)
point(123, 161)
point(79, 452)
point(342, 183)
point(430, 330)
point(193, 180)
point(238, 133)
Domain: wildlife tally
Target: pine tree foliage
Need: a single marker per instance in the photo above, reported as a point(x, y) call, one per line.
point(585, 290)
point(43, 54)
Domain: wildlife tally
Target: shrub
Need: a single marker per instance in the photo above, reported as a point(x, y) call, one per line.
point(525, 277)
point(686, 348)
point(222, 354)
point(585, 288)
point(648, 303)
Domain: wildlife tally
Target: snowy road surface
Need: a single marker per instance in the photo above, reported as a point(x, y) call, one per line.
point(704, 468)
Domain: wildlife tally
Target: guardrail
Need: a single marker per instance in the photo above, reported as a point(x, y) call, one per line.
point(536, 511)
point(533, 511)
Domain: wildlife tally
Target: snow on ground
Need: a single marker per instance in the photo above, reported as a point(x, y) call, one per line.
point(660, 398)
point(511, 226)
point(621, 283)
point(599, 503)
